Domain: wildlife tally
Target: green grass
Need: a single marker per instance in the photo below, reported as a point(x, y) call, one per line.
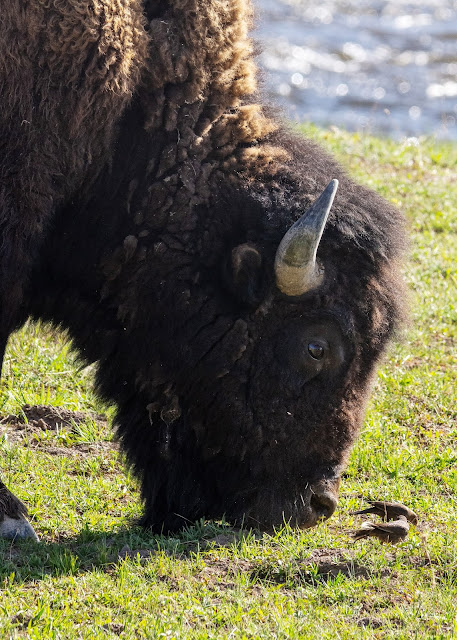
point(312, 584)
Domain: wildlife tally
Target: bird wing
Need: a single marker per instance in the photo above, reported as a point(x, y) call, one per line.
point(381, 507)
point(381, 504)
point(398, 527)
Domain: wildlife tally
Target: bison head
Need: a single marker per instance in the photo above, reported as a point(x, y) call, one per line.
point(266, 352)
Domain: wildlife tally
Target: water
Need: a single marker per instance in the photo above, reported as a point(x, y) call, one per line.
point(383, 66)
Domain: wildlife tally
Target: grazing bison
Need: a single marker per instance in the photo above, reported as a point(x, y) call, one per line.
point(190, 245)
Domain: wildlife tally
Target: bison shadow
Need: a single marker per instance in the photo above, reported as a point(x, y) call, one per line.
point(25, 561)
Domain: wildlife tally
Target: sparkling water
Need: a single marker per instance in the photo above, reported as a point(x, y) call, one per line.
point(385, 67)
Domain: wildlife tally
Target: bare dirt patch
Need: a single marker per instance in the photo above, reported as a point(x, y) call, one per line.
point(78, 450)
point(329, 563)
point(228, 539)
point(318, 565)
point(46, 417)
point(220, 573)
point(39, 419)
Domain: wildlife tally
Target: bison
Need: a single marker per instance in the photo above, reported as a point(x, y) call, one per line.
point(235, 303)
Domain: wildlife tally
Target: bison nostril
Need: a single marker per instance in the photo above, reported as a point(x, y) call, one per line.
point(323, 503)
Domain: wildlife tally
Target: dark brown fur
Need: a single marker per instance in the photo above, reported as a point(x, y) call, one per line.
point(10, 505)
point(144, 194)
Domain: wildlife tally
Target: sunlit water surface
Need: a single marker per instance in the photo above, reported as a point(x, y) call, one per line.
point(382, 66)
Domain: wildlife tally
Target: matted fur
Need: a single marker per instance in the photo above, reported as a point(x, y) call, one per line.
point(144, 192)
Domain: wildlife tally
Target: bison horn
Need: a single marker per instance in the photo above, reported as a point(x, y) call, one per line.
point(295, 263)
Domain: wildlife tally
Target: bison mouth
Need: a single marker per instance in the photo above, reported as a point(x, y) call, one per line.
point(253, 493)
point(264, 510)
point(315, 503)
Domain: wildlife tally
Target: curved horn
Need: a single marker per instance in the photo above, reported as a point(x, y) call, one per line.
point(295, 263)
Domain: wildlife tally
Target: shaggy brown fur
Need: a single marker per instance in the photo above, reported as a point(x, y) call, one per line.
point(67, 72)
point(144, 193)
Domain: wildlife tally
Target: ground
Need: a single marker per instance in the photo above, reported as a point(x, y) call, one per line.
point(95, 575)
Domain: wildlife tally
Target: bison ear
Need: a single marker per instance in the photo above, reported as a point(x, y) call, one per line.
point(244, 273)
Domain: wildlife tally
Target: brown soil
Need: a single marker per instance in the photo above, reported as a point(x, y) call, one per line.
point(38, 418)
point(45, 417)
point(331, 562)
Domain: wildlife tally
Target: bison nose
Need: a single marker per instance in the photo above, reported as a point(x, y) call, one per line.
point(323, 499)
point(323, 504)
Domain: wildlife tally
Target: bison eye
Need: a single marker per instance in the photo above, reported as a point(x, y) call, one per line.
point(316, 350)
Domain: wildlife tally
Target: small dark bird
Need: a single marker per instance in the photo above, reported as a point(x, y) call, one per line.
point(393, 532)
point(389, 511)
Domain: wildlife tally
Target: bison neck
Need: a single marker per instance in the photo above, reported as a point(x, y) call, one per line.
point(134, 264)
point(142, 250)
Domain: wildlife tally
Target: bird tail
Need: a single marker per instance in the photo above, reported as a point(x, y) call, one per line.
point(361, 512)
